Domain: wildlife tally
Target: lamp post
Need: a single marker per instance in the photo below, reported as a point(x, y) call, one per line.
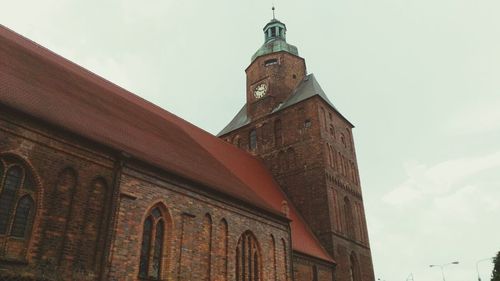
point(442, 267)
point(477, 267)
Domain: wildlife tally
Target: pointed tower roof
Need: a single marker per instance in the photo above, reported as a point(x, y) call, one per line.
point(275, 40)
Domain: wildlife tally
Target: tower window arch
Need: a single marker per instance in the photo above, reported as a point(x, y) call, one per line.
point(354, 272)
point(252, 139)
point(17, 207)
point(151, 264)
point(349, 218)
point(237, 141)
point(248, 258)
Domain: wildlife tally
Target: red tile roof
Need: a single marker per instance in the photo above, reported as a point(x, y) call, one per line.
point(46, 86)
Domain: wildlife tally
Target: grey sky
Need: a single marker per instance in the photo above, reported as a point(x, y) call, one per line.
point(419, 79)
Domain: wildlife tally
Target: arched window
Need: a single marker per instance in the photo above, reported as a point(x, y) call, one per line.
point(237, 141)
point(252, 139)
point(354, 273)
point(329, 158)
point(22, 220)
point(17, 207)
point(332, 131)
point(265, 133)
point(10, 187)
point(315, 273)
point(323, 117)
point(334, 158)
point(248, 258)
point(152, 247)
point(349, 219)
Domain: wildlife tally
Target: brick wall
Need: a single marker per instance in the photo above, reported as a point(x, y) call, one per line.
point(76, 226)
point(204, 230)
point(314, 161)
point(73, 191)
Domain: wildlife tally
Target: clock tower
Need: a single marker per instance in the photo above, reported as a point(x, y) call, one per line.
point(307, 144)
point(274, 72)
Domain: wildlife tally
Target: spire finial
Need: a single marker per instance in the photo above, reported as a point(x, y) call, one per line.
point(273, 13)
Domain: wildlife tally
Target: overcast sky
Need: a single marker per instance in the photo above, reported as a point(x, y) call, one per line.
point(418, 78)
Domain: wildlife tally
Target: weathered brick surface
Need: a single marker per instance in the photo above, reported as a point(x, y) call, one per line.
point(308, 269)
point(279, 82)
point(199, 231)
point(72, 186)
point(74, 219)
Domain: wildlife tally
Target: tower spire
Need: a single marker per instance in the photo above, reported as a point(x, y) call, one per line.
point(273, 12)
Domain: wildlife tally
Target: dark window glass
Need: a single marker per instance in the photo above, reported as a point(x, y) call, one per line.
point(29, 182)
point(315, 273)
point(253, 139)
point(271, 62)
point(248, 258)
point(238, 263)
point(349, 219)
point(354, 268)
point(22, 219)
point(145, 247)
point(307, 123)
point(156, 213)
point(255, 267)
point(10, 186)
point(158, 249)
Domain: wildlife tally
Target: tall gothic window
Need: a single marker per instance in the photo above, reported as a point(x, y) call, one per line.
point(248, 258)
point(237, 141)
point(152, 247)
point(17, 207)
point(315, 273)
point(252, 142)
point(354, 271)
point(349, 218)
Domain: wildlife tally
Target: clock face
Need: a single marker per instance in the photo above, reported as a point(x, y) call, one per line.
point(260, 91)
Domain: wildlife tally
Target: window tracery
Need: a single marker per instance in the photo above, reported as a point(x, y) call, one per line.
point(17, 207)
point(152, 247)
point(248, 258)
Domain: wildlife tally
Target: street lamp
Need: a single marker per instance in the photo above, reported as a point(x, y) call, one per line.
point(477, 267)
point(442, 267)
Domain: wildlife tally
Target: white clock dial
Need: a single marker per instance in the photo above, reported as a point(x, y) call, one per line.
point(260, 91)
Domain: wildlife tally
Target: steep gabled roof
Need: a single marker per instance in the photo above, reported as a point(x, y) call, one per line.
point(308, 88)
point(48, 87)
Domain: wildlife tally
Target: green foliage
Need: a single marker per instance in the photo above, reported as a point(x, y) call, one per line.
point(495, 275)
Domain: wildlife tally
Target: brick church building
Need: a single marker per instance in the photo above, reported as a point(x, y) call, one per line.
point(99, 184)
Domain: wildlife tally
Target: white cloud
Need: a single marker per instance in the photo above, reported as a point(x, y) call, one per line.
point(438, 180)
